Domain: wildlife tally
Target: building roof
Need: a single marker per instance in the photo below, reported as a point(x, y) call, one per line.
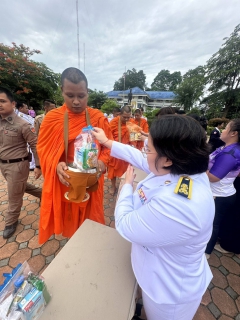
point(154, 95)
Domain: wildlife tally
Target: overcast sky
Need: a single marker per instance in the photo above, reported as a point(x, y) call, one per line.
point(148, 35)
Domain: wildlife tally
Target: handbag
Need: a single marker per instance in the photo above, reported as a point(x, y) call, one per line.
point(79, 182)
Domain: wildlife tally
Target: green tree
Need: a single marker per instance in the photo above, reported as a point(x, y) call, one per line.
point(166, 81)
point(108, 106)
point(191, 88)
point(96, 99)
point(133, 78)
point(58, 98)
point(29, 80)
point(223, 73)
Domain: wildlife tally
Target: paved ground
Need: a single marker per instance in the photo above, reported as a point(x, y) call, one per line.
point(221, 301)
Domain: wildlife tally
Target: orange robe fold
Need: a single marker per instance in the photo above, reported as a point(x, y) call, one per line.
point(117, 167)
point(57, 215)
point(144, 125)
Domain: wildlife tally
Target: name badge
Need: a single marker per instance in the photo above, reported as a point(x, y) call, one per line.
point(141, 195)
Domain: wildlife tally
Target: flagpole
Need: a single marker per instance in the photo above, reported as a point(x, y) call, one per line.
point(124, 86)
point(78, 35)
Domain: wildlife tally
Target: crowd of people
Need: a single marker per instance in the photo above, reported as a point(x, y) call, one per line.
point(175, 216)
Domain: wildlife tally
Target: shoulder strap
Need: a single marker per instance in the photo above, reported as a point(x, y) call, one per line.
point(119, 130)
point(65, 133)
point(88, 120)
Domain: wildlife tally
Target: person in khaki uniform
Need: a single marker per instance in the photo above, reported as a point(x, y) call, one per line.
point(15, 133)
point(47, 105)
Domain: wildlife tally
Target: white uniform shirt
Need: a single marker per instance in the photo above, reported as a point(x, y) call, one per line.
point(26, 117)
point(169, 233)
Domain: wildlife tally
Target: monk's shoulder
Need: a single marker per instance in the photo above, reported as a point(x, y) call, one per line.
point(95, 112)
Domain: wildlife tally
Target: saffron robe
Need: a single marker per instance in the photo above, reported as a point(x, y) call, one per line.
point(117, 167)
point(58, 215)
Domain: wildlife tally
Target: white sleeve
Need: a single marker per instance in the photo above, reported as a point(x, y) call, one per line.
point(129, 154)
point(161, 222)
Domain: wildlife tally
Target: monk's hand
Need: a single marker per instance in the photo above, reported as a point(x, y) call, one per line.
point(37, 173)
point(99, 134)
point(130, 175)
point(61, 168)
point(101, 166)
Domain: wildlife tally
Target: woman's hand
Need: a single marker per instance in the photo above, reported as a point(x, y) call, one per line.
point(144, 133)
point(130, 175)
point(99, 134)
point(61, 168)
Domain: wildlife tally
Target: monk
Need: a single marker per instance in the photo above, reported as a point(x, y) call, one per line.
point(141, 122)
point(116, 167)
point(58, 215)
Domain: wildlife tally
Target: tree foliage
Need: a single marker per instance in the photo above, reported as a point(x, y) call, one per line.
point(27, 79)
point(191, 88)
point(133, 78)
point(166, 81)
point(108, 106)
point(223, 73)
point(96, 99)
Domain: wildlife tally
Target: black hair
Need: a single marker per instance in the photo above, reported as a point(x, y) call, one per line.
point(178, 111)
point(20, 104)
point(194, 116)
point(116, 109)
point(165, 110)
point(126, 109)
point(47, 102)
point(218, 122)
point(7, 92)
point(183, 141)
point(138, 111)
point(235, 126)
point(203, 122)
point(74, 75)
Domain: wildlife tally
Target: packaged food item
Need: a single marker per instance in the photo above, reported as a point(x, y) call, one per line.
point(134, 131)
point(24, 296)
point(85, 151)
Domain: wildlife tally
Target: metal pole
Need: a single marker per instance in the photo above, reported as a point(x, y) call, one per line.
point(84, 58)
point(124, 86)
point(78, 36)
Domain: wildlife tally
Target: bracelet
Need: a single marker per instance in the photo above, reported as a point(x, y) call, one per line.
point(105, 141)
point(38, 167)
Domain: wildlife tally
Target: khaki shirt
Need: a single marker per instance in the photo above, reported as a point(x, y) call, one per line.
point(15, 133)
point(37, 122)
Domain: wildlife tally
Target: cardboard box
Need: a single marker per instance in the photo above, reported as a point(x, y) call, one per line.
point(91, 278)
point(32, 305)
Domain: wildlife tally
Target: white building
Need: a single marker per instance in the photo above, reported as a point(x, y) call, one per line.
point(141, 98)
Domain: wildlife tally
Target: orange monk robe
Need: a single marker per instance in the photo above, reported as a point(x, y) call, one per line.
point(58, 215)
point(144, 125)
point(117, 167)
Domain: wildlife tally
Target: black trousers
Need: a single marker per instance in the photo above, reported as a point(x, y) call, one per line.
point(222, 207)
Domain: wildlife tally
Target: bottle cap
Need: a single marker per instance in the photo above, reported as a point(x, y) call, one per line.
point(19, 281)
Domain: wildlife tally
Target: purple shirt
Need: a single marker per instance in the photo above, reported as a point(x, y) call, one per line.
point(225, 161)
point(32, 113)
point(225, 164)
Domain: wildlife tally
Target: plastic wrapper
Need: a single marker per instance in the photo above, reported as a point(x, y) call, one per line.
point(85, 152)
point(24, 296)
point(134, 131)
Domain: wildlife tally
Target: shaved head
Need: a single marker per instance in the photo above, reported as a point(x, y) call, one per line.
point(126, 109)
point(73, 75)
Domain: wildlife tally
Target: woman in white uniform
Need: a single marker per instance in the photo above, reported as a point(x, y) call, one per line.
point(168, 219)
